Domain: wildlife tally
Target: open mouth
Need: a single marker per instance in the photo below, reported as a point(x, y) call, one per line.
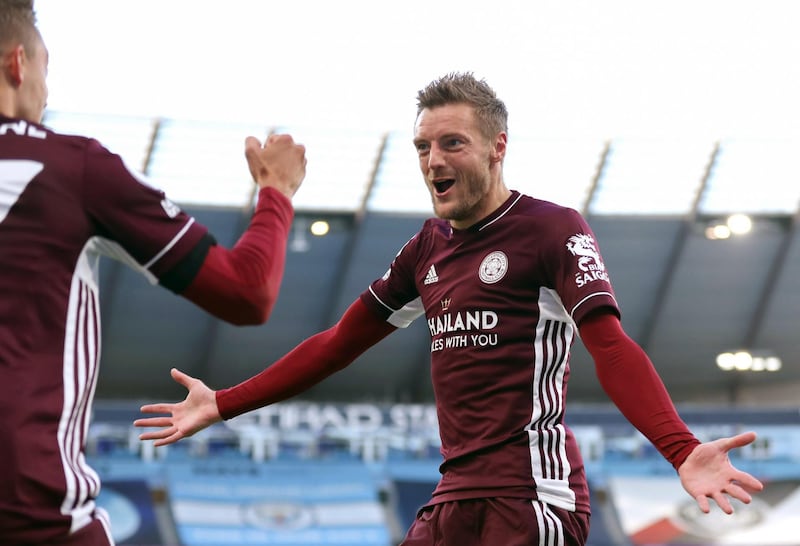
point(442, 186)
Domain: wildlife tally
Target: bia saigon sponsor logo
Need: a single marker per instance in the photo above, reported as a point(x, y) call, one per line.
point(493, 267)
point(589, 262)
point(170, 208)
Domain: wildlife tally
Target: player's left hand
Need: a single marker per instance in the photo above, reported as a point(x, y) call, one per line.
point(707, 473)
point(198, 411)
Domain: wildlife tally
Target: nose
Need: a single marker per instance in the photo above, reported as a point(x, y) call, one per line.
point(435, 157)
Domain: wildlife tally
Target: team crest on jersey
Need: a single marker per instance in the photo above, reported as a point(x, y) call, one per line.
point(590, 264)
point(493, 267)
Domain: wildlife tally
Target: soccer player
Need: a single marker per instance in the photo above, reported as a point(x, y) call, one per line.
point(64, 200)
point(526, 277)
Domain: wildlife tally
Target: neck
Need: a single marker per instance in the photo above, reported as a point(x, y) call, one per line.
point(497, 197)
point(493, 200)
point(7, 104)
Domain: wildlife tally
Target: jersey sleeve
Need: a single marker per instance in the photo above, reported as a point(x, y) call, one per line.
point(631, 381)
point(579, 272)
point(127, 210)
point(394, 297)
point(241, 284)
point(307, 364)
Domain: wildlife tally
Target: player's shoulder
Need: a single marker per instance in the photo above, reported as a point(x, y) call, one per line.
point(541, 210)
point(77, 141)
point(48, 133)
point(24, 139)
point(424, 239)
point(434, 229)
point(435, 225)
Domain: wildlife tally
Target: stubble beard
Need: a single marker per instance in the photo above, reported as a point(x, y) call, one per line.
point(476, 187)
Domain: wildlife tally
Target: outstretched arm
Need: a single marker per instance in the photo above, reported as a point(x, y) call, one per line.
point(306, 365)
point(630, 380)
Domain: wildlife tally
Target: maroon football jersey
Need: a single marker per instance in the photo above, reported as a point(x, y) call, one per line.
point(502, 300)
point(64, 201)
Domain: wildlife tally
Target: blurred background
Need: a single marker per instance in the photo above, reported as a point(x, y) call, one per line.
point(674, 128)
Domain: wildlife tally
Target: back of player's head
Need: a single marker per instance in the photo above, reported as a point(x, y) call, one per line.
point(464, 88)
point(17, 25)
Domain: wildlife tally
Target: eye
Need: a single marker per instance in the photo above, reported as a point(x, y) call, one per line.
point(422, 147)
point(453, 142)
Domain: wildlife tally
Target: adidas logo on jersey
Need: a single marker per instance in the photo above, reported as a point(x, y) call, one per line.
point(431, 277)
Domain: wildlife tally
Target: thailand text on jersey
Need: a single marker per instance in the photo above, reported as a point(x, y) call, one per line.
point(64, 200)
point(502, 300)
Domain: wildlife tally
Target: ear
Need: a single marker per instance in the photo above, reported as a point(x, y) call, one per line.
point(14, 64)
point(499, 150)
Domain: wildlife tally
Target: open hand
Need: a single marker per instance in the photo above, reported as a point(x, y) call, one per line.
point(707, 473)
point(196, 412)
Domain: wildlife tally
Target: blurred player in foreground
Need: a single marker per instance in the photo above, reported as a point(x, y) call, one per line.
point(64, 200)
point(528, 275)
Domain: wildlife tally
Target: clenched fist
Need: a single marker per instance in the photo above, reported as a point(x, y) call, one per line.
point(280, 163)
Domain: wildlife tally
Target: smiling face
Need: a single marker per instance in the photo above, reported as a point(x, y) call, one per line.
point(461, 166)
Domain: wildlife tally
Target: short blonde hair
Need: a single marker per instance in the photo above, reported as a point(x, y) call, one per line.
point(18, 25)
point(464, 88)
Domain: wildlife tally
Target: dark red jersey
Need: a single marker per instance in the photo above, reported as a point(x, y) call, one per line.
point(64, 201)
point(502, 300)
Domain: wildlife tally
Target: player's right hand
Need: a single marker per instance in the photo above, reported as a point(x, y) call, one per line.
point(279, 163)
